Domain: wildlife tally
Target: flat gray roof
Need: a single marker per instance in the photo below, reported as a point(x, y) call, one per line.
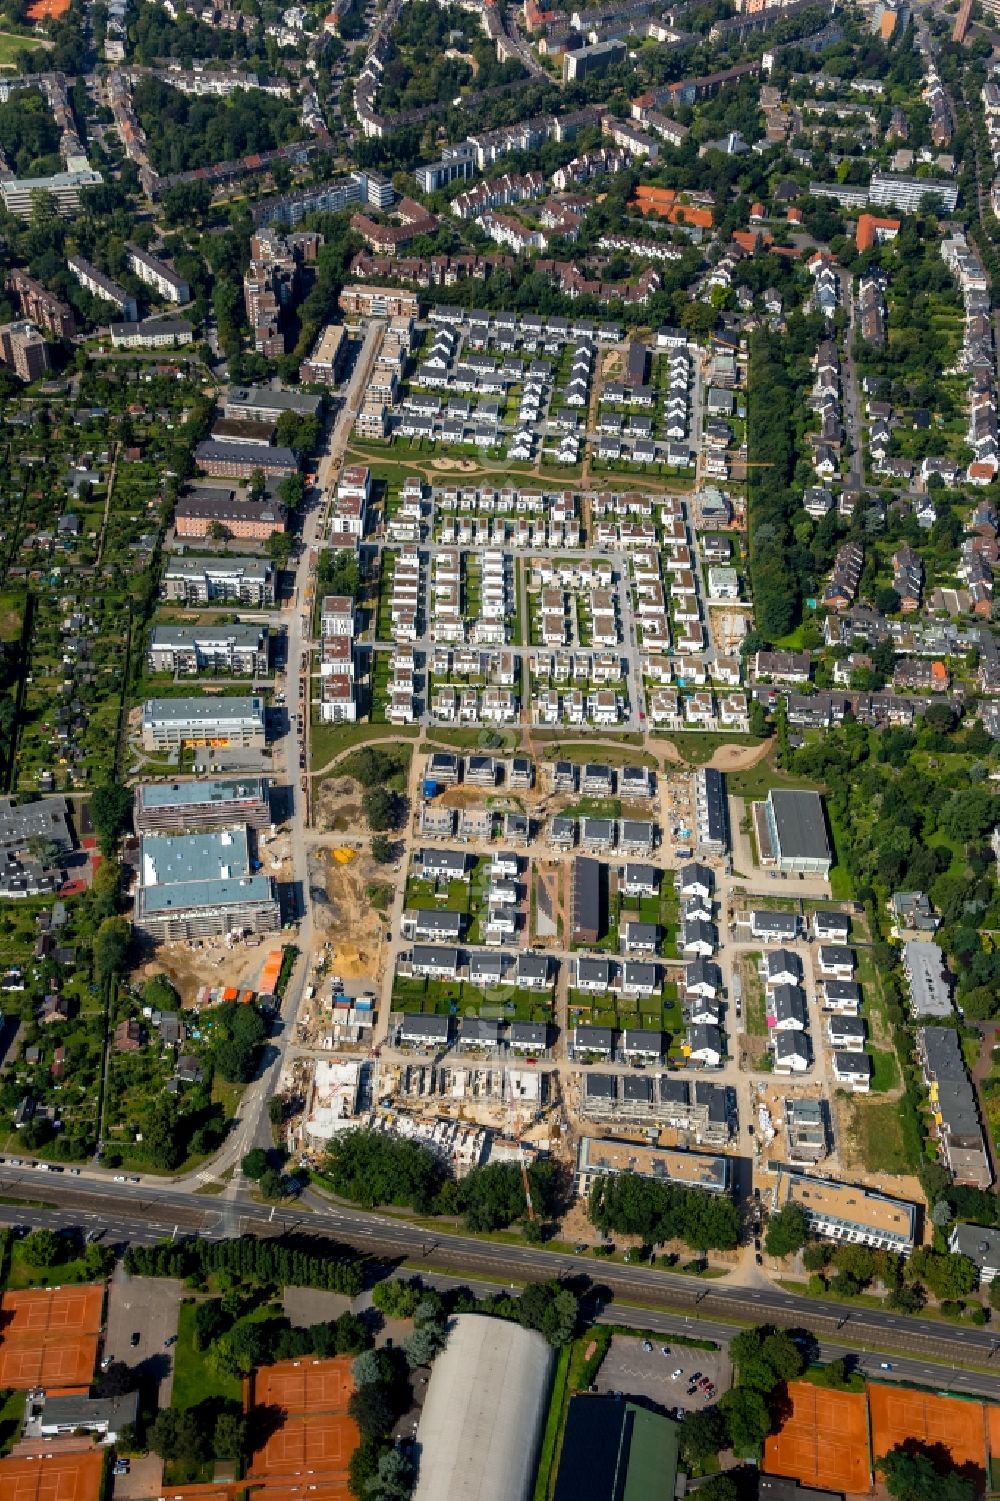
point(182, 567)
point(166, 859)
point(173, 636)
point(199, 794)
point(277, 401)
point(800, 825)
point(180, 897)
point(201, 710)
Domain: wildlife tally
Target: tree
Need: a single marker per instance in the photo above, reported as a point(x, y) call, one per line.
point(110, 806)
point(230, 1438)
point(279, 548)
point(747, 1419)
point(44, 1248)
point(718, 1488)
point(111, 948)
point(395, 1299)
point(380, 805)
point(783, 1355)
point(162, 1134)
point(382, 850)
point(177, 1435)
point(703, 1433)
point(372, 1410)
point(910, 1475)
point(371, 1368)
point(422, 1345)
point(116, 1380)
point(551, 1309)
point(273, 1185)
point(942, 1214)
point(362, 1469)
point(258, 485)
point(210, 1321)
point(370, 1168)
point(394, 1480)
point(787, 1231)
point(255, 1164)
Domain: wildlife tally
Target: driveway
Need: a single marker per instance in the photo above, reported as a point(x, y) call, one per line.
point(636, 1372)
point(147, 1306)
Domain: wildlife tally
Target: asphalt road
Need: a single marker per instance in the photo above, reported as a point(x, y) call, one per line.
point(147, 1212)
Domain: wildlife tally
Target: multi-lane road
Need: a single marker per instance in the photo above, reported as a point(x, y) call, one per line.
point(929, 1351)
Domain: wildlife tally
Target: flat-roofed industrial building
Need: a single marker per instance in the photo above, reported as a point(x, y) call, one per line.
point(791, 832)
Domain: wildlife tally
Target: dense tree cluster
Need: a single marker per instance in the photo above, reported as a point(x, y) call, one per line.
point(371, 1168)
point(185, 132)
point(276, 1263)
point(29, 137)
point(912, 1473)
point(660, 1212)
point(238, 1031)
point(909, 826)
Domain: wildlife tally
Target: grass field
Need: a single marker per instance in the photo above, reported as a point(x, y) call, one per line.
point(698, 747)
point(879, 1135)
point(885, 1071)
point(11, 45)
point(329, 740)
point(194, 1379)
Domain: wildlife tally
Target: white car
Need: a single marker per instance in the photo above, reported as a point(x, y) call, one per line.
point(674, 1374)
point(120, 1178)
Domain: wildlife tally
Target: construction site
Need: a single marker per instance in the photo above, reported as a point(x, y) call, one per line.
point(467, 1115)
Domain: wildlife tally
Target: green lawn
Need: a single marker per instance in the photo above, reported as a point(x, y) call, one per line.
point(194, 1379)
point(698, 747)
point(329, 740)
point(885, 1070)
point(24, 1274)
point(11, 45)
point(878, 1132)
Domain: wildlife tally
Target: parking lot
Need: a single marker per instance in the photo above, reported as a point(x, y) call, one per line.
point(632, 1370)
point(148, 1307)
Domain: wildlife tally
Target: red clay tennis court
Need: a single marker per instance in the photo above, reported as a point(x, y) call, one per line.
point(49, 1311)
point(320, 1490)
point(898, 1415)
point(315, 1433)
point(47, 10)
point(48, 1337)
point(301, 1386)
point(321, 1441)
point(52, 1477)
point(824, 1440)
